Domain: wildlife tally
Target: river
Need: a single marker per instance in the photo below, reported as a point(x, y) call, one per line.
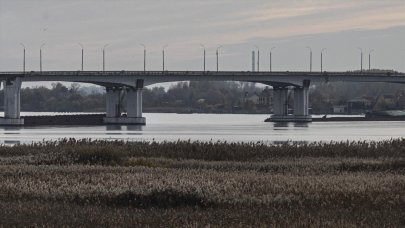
point(205, 127)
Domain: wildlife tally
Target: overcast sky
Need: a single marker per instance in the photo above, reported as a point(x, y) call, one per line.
point(340, 26)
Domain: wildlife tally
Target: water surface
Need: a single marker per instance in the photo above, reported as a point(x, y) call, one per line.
point(204, 127)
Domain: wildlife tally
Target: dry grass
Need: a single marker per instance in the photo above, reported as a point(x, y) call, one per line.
point(99, 183)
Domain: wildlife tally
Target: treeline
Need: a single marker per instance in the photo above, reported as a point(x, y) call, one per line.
point(201, 97)
point(214, 97)
point(324, 96)
point(193, 96)
point(59, 98)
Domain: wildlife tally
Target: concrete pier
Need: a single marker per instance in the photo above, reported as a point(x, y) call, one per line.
point(301, 104)
point(134, 102)
point(113, 102)
point(280, 106)
point(12, 88)
point(133, 106)
point(280, 101)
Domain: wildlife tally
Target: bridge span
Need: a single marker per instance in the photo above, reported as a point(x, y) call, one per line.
point(133, 82)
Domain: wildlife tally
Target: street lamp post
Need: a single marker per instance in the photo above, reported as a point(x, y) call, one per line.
point(369, 59)
point(361, 58)
point(310, 59)
point(258, 58)
point(23, 56)
point(220, 46)
point(81, 45)
point(104, 56)
point(40, 57)
point(202, 45)
point(144, 57)
point(163, 56)
point(271, 56)
point(323, 49)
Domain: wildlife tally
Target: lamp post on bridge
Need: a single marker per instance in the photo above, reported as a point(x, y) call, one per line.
point(361, 58)
point(40, 57)
point(220, 46)
point(369, 59)
point(202, 45)
point(271, 49)
point(104, 56)
point(323, 49)
point(144, 56)
point(258, 57)
point(81, 45)
point(310, 59)
point(23, 56)
point(163, 56)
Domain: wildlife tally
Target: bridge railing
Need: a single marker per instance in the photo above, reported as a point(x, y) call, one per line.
point(198, 73)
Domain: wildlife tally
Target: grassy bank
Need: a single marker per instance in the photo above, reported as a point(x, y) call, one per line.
point(94, 183)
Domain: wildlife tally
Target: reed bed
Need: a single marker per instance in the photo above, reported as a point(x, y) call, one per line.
point(192, 184)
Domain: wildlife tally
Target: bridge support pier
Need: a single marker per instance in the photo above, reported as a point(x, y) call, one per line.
point(133, 106)
point(12, 88)
point(280, 106)
point(113, 102)
point(301, 104)
point(280, 101)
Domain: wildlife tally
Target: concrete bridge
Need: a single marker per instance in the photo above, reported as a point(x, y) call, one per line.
point(133, 83)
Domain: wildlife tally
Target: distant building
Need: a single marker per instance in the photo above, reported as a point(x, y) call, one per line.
point(259, 102)
point(390, 98)
point(359, 106)
point(253, 98)
point(266, 97)
point(386, 102)
point(262, 99)
point(339, 109)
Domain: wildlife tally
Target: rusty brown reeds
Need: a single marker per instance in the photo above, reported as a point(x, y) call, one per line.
point(115, 183)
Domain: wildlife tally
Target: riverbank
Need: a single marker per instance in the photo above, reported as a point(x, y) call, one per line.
point(77, 119)
point(101, 183)
point(350, 118)
point(382, 118)
point(97, 119)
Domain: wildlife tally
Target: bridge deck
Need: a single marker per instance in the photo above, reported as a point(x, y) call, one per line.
point(199, 73)
point(279, 78)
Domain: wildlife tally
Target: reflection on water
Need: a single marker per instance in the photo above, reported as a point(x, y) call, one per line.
point(286, 125)
point(281, 126)
point(205, 127)
point(10, 130)
point(11, 142)
point(124, 130)
point(301, 124)
point(135, 127)
point(113, 128)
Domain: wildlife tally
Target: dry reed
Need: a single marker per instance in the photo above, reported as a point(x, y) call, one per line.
point(101, 183)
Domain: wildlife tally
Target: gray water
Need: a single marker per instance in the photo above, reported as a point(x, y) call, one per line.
point(205, 127)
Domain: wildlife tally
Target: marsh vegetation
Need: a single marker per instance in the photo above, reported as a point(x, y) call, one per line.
point(115, 183)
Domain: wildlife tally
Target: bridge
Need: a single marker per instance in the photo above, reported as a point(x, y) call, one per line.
point(133, 82)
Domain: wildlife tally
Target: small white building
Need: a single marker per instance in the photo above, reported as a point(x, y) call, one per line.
point(340, 109)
